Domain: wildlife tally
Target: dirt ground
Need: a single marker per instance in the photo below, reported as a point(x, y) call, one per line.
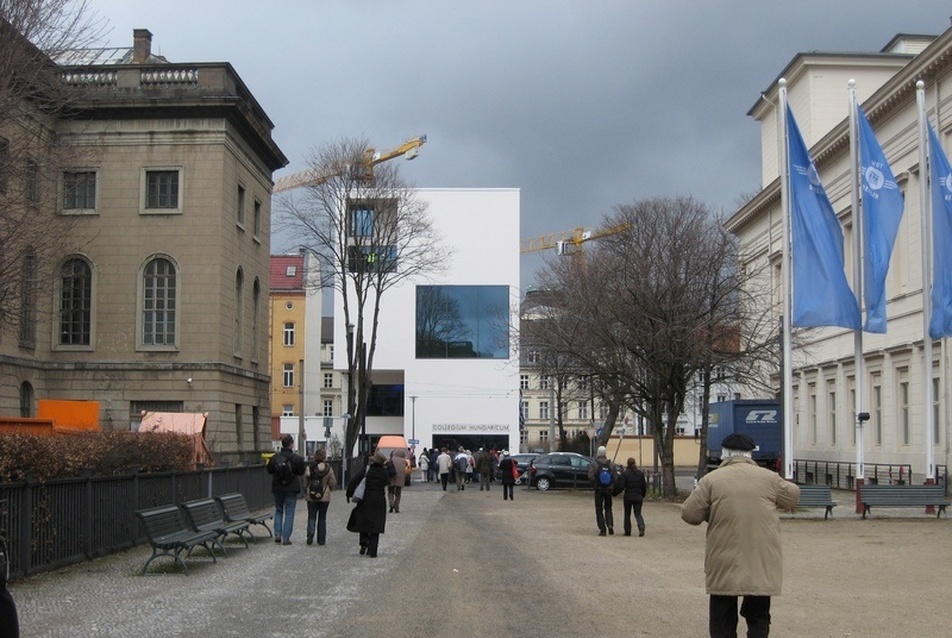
point(470, 564)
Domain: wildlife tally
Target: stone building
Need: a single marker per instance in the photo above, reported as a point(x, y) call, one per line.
point(825, 384)
point(158, 298)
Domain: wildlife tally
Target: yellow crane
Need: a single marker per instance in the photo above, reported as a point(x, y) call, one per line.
point(410, 148)
point(568, 242)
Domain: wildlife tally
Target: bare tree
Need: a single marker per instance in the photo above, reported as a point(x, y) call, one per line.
point(649, 308)
point(370, 233)
point(33, 98)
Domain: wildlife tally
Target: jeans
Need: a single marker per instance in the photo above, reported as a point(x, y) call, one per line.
point(484, 481)
point(317, 514)
point(636, 506)
point(507, 491)
point(723, 616)
point(284, 506)
point(603, 510)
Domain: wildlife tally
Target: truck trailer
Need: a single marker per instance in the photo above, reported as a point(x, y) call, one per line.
point(760, 419)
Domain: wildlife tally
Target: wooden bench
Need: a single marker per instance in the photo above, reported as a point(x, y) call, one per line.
point(205, 515)
point(170, 535)
point(816, 496)
point(903, 496)
point(235, 509)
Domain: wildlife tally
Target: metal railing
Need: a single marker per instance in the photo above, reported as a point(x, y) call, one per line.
point(65, 521)
point(841, 475)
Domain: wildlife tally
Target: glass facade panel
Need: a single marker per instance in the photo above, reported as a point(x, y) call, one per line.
point(462, 322)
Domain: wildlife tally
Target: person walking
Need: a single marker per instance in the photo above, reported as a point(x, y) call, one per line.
point(484, 465)
point(368, 519)
point(398, 460)
point(433, 474)
point(599, 472)
point(507, 469)
point(444, 464)
point(424, 466)
point(462, 466)
point(320, 479)
point(635, 487)
point(743, 557)
point(285, 467)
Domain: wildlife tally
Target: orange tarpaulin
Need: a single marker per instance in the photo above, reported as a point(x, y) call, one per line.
point(189, 423)
point(67, 415)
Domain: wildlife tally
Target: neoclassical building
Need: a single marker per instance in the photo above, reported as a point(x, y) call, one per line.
point(158, 299)
point(825, 379)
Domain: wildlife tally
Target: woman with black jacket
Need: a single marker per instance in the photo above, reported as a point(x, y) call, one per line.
point(636, 486)
point(369, 516)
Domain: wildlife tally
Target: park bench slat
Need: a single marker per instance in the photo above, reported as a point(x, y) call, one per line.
point(205, 515)
point(817, 496)
point(170, 535)
point(903, 496)
point(235, 509)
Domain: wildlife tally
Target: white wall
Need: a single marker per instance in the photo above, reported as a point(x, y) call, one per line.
point(454, 396)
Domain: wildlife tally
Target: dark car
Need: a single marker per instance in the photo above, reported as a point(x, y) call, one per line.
point(560, 469)
point(522, 459)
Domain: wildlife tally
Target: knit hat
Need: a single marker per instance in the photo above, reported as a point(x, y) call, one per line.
point(378, 458)
point(601, 451)
point(739, 442)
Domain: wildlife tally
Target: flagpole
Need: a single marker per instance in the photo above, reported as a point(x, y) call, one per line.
point(926, 225)
point(787, 270)
point(859, 362)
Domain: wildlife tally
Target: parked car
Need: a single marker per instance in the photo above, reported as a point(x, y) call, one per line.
point(560, 469)
point(523, 459)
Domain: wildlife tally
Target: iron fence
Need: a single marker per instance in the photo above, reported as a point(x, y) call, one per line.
point(60, 522)
point(841, 475)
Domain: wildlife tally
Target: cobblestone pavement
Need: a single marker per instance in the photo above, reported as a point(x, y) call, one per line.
point(522, 567)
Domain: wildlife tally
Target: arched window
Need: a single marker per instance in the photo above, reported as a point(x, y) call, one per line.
point(159, 303)
point(26, 400)
point(239, 303)
point(76, 298)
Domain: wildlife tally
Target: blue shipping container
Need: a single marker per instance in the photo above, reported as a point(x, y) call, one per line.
point(760, 419)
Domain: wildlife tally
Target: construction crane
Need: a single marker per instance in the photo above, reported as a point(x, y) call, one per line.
point(568, 242)
point(312, 176)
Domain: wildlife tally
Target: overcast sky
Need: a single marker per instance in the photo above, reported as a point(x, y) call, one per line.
point(581, 105)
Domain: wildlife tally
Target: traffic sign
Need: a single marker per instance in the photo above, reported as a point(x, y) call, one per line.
point(414, 441)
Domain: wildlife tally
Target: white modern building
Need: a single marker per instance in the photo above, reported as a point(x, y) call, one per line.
point(461, 387)
point(825, 425)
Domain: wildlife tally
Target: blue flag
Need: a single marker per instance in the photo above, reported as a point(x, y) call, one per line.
point(821, 294)
point(940, 324)
point(882, 210)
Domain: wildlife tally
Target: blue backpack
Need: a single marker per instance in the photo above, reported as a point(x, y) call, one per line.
point(605, 476)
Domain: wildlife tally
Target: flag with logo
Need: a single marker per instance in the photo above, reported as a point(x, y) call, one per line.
point(821, 294)
point(882, 210)
point(940, 324)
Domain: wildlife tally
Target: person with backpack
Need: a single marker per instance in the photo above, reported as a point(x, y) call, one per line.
point(285, 467)
point(602, 474)
point(320, 479)
point(461, 465)
point(635, 486)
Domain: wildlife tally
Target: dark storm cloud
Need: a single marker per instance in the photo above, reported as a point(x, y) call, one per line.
point(581, 105)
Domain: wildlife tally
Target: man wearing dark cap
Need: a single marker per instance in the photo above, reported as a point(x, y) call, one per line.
point(739, 501)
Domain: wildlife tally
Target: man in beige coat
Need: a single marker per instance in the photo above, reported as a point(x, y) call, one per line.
point(739, 501)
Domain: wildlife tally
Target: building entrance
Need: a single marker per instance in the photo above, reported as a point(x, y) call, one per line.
point(471, 442)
